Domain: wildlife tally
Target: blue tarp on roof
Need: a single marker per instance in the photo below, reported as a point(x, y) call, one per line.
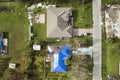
point(1, 43)
point(59, 59)
point(59, 65)
point(65, 51)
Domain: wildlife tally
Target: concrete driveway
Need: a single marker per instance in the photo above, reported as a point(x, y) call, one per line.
point(79, 32)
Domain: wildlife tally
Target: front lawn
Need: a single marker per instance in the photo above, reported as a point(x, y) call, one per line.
point(111, 58)
point(83, 16)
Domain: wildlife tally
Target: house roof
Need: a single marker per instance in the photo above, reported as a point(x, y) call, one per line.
point(59, 65)
point(57, 22)
point(65, 51)
point(1, 43)
point(59, 59)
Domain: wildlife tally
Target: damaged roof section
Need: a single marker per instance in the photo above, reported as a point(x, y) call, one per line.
point(112, 21)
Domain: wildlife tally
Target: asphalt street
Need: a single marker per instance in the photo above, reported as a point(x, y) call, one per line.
point(96, 7)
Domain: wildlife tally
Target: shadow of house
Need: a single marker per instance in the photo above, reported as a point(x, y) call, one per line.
point(75, 14)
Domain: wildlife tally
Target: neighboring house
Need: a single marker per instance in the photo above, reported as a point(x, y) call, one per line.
point(58, 55)
point(112, 21)
point(59, 22)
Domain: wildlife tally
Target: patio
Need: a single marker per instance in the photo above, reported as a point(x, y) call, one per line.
point(39, 18)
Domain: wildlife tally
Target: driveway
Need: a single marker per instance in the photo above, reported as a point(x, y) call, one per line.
point(79, 32)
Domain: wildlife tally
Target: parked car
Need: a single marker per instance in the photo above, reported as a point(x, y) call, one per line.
point(87, 34)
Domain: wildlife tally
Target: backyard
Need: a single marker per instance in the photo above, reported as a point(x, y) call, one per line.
point(39, 29)
point(13, 20)
point(39, 32)
point(16, 24)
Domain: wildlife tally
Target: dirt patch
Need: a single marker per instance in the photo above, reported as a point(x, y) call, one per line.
point(112, 21)
point(21, 64)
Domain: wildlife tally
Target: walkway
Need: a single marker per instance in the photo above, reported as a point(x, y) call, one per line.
point(96, 7)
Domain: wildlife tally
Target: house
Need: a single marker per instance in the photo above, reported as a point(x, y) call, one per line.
point(59, 22)
point(112, 21)
point(58, 56)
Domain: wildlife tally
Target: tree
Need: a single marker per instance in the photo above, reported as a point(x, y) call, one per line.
point(80, 67)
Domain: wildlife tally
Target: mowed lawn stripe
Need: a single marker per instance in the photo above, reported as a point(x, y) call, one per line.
point(113, 58)
point(16, 24)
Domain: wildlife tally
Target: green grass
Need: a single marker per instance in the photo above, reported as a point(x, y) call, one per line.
point(104, 66)
point(89, 78)
point(83, 16)
point(17, 27)
point(110, 1)
point(16, 24)
point(40, 31)
point(111, 59)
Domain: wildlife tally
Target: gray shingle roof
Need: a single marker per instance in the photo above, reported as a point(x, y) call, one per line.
point(57, 22)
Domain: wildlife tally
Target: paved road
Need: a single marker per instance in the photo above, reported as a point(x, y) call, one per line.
point(96, 6)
